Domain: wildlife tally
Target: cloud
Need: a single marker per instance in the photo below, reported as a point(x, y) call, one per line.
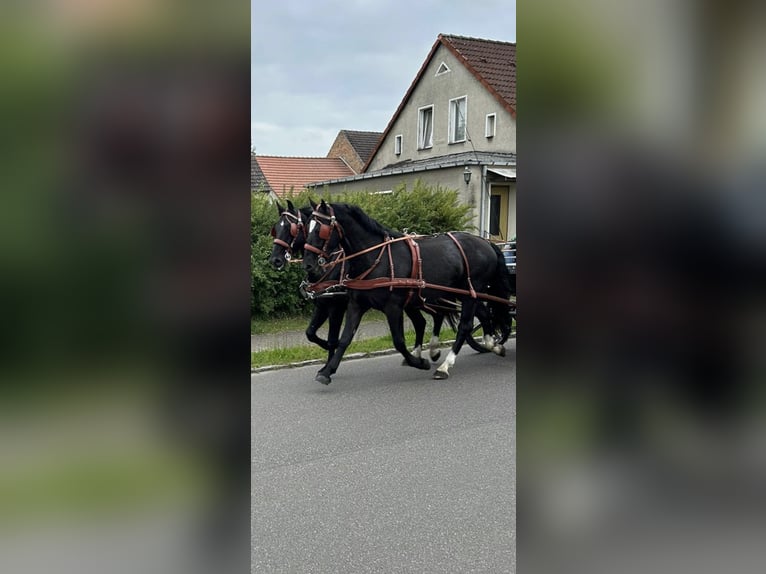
point(318, 68)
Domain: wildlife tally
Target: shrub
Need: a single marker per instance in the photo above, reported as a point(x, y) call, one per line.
point(424, 210)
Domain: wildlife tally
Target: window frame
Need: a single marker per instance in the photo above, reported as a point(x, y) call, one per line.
point(454, 107)
point(398, 144)
point(490, 121)
point(421, 143)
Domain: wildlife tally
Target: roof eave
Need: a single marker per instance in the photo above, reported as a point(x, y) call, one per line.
point(412, 169)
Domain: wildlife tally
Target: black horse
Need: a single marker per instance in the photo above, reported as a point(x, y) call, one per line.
point(390, 271)
point(289, 235)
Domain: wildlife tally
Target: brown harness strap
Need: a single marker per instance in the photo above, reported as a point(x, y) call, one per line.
point(401, 282)
point(465, 260)
point(417, 269)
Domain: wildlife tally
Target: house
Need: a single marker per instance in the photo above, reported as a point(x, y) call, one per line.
point(455, 127)
point(355, 147)
point(279, 176)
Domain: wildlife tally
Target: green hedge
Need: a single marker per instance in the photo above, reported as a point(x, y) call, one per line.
point(424, 209)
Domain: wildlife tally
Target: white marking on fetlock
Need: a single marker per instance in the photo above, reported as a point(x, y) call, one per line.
point(489, 342)
point(433, 347)
point(447, 363)
point(499, 350)
point(417, 351)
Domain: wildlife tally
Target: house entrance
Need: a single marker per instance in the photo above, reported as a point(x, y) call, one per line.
point(498, 212)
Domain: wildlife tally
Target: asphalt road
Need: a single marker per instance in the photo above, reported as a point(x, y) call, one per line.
point(385, 470)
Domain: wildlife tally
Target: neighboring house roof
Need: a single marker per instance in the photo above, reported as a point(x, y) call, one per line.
point(257, 179)
point(364, 143)
point(285, 173)
point(439, 162)
point(492, 62)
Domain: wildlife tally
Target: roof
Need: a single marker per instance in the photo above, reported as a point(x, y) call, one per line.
point(493, 64)
point(284, 173)
point(364, 143)
point(257, 179)
point(439, 162)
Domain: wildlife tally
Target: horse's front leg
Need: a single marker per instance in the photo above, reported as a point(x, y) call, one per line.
point(464, 330)
point(316, 321)
point(396, 326)
point(419, 323)
point(354, 313)
point(337, 310)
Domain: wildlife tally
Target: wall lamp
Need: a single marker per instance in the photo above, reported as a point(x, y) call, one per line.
point(467, 175)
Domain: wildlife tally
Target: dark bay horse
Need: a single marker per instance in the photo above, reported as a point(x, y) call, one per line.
point(289, 235)
point(455, 267)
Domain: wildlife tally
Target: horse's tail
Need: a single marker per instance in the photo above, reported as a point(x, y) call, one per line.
point(503, 286)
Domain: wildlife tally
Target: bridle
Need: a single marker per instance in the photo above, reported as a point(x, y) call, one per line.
point(325, 233)
point(296, 226)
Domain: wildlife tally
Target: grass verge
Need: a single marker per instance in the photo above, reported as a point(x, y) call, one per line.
point(306, 353)
point(298, 323)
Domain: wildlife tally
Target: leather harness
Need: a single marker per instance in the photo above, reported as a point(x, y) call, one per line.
point(413, 282)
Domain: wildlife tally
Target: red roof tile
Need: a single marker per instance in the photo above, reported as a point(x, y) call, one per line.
point(492, 62)
point(286, 173)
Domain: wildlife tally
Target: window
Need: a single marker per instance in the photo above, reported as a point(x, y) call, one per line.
point(489, 126)
point(398, 145)
point(425, 127)
point(457, 119)
point(443, 69)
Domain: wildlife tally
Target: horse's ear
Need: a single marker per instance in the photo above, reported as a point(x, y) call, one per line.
point(290, 206)
point(323, 204)
point(280, 209)
point(312, 203)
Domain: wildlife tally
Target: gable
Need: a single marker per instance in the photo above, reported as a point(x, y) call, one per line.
point(491, 64)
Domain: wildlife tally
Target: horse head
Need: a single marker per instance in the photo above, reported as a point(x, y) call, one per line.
point(323, 238)
point(289, 234)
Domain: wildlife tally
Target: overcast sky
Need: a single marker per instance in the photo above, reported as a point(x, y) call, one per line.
point(322, 66)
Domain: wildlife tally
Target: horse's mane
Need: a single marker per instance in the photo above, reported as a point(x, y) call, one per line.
point(367, 222)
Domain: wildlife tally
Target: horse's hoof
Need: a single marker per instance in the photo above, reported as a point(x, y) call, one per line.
point(435, 356)
point(425, 364)
point(499, 352)
point(324, 379)
point(440, 375)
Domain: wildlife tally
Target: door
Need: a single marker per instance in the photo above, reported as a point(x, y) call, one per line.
point(498, 212)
